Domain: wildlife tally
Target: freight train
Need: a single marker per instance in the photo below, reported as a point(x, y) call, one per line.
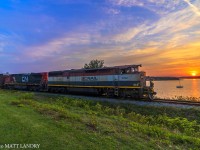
point(117, 81)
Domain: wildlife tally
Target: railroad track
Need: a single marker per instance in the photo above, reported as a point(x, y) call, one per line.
point(177, 102)
point(126, 100)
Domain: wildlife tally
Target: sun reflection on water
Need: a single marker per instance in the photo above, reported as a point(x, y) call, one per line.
point(167, 89)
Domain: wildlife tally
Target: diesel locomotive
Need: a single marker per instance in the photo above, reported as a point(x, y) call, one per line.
point(117, 81)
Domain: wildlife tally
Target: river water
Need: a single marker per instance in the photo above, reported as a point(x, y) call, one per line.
point(167, 89)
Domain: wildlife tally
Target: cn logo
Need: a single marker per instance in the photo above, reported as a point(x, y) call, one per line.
point(24, 78)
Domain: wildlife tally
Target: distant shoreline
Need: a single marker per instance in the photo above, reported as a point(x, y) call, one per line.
point(174, 78)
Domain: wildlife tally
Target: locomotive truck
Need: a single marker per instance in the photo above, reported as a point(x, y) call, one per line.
point(118, 81)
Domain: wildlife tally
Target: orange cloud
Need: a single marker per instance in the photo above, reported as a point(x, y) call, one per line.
point(179, 61)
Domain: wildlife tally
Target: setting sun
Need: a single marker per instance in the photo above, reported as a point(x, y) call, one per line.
point(193, 73)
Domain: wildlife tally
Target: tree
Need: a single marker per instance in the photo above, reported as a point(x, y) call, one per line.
point(94, 64)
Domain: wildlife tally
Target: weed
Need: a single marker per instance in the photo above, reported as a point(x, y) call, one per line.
point(24, 96)
point(92, 123)
point(15, 102)
point(185, 98)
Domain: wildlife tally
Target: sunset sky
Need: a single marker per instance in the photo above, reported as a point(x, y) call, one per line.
point(46, 35)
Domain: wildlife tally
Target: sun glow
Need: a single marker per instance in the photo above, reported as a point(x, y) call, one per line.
point(193, 73)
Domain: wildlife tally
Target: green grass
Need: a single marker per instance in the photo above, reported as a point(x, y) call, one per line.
point(67, 123)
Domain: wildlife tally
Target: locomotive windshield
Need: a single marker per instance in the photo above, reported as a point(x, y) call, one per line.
point(129, 70)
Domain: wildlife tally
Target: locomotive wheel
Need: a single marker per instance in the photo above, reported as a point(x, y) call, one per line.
point(122, 94)
point(150, 96)
point(110, 93)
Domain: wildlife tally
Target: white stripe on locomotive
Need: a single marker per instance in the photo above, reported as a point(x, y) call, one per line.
point(126, 77)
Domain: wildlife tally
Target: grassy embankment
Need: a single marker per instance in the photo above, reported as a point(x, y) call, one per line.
point(65, 123)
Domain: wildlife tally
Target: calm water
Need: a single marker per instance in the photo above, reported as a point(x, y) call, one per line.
point(167, 89)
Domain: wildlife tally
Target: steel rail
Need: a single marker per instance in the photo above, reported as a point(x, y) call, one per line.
point(177, 102)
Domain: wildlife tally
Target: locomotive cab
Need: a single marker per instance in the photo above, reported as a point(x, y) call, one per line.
point(133, 83)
